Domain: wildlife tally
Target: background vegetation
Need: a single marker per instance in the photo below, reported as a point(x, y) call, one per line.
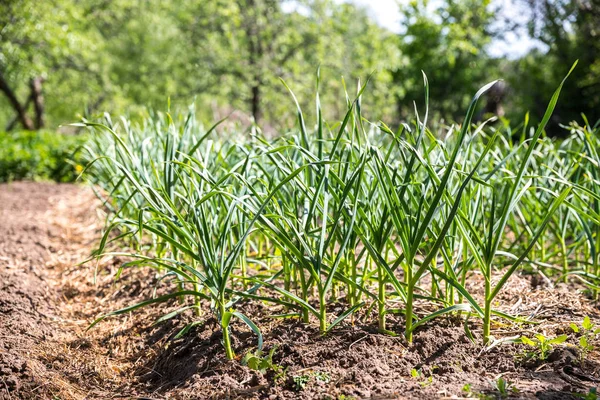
point(41, 155)
point(60, 59)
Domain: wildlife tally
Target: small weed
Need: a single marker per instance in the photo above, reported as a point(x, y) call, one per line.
point(256, 362)
point(322, 377)
point(300, 382)
point(466, 389)
point(542, 345)
point(591, 395)
point(588, 335)
point(504, 387)
point(424, 381)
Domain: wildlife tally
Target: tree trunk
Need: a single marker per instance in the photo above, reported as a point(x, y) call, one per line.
point(14, 102)
point(256, 109)
point(38, 101)
point(11, 124)
point(255, 55)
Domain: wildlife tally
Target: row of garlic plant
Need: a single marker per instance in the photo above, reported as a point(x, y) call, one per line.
point(349, 210)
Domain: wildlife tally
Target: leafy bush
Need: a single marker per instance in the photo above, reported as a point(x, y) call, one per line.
point(40, 155)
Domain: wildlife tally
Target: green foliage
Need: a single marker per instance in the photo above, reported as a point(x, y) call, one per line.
point(577, 39)
point(423, 381)
point(122, 56)
point(446, 40)
point(39, 155)
point(57, 41)
point(504, 387)
point(542, 345)
point(300, 381)
point(322, 376)
point(468, 391)
point(257, 362)
point(592, 394)
point(587, 336)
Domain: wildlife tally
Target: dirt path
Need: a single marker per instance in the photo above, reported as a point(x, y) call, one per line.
point(38, 246)
point(47, 301)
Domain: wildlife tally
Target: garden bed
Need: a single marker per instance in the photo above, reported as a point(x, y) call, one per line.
point(47, 302)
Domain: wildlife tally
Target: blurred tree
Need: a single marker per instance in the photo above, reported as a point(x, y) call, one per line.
point(355, 47)
point(148, 62)
point(123, 55)
point(243, 46)
point(44, 43)
point(571, 30)
point(240, 50)
point(448, 43)
point(91, 56)
point(19, 41)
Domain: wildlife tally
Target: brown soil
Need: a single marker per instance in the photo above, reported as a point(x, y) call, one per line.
point(47, 301)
